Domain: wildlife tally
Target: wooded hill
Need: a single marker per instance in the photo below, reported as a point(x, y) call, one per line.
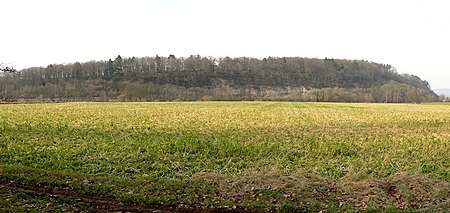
point(207, 78)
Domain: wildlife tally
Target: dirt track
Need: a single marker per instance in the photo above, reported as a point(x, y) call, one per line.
point(92, 203)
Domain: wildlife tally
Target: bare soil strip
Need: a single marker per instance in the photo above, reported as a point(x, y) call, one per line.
point(103, 203)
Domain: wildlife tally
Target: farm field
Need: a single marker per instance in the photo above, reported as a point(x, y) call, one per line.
point(208, 156)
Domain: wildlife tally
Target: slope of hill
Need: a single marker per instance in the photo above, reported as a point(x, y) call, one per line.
point(445, 92)
point(207, 78)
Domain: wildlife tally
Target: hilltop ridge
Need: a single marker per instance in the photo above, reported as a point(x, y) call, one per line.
point(195, 77)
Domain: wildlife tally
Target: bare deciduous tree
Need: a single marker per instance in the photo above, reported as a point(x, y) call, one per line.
point(4, 68)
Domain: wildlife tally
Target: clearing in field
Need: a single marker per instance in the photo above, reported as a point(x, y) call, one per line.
point(258, 156)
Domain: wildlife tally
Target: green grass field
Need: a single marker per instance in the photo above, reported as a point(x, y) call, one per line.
point(275, 156)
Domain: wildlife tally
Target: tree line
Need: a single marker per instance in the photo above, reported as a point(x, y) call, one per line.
point(207, 78)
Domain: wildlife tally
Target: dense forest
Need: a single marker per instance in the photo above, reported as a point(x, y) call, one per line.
point(206, 78)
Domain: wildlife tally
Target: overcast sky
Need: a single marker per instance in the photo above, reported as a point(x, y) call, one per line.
point(413, 36)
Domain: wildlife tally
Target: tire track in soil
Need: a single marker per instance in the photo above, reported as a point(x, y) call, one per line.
point(103, 203)
point(100, 203)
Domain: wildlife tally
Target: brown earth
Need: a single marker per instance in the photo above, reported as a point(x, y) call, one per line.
point(93, 203)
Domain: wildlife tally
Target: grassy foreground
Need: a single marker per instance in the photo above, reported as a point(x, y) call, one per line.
point(230, 155)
